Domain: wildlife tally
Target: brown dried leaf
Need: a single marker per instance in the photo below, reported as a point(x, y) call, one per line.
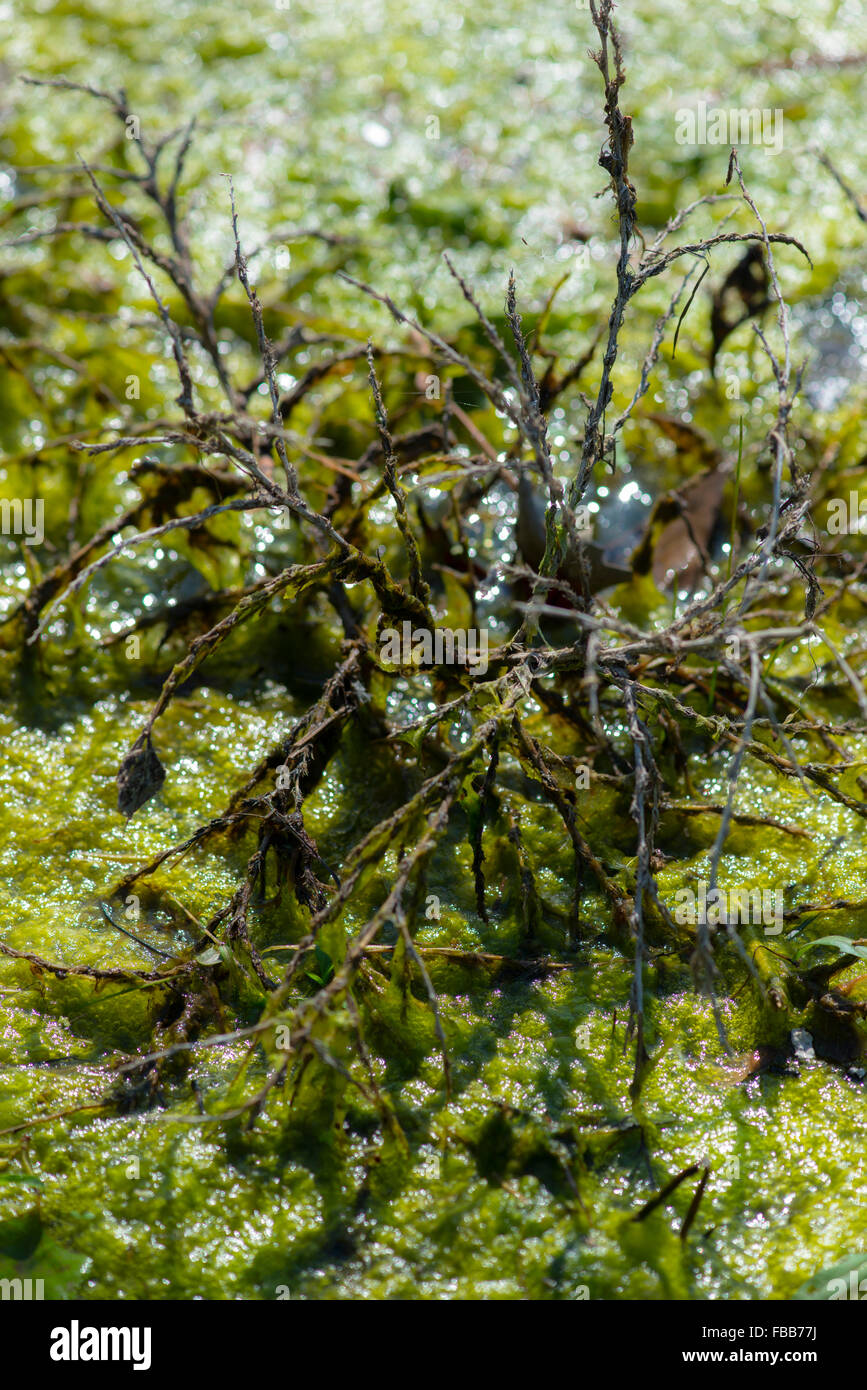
point(139, 777)
point(743, 295)
point(676, 552)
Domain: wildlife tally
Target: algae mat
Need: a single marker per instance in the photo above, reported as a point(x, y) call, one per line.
point(395, 136)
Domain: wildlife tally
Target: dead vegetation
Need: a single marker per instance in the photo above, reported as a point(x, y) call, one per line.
point(633, 702)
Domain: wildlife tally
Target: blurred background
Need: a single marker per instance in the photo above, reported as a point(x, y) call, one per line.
point(450, 125)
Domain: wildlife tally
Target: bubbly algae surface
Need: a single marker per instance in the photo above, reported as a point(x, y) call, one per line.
point(155, 1206)
point(322, 113)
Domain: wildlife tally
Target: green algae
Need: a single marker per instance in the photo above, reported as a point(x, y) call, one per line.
point(161, 1205)
point(160, 1210)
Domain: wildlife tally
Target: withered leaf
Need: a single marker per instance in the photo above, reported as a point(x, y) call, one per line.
point(530, 535)
point(744, 294)
point(687, 438)
point(678, 532)
point(678, 535)
point(139, 777)
point(679, 548)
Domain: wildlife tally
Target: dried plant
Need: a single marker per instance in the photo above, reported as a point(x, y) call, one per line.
point(620, 695)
